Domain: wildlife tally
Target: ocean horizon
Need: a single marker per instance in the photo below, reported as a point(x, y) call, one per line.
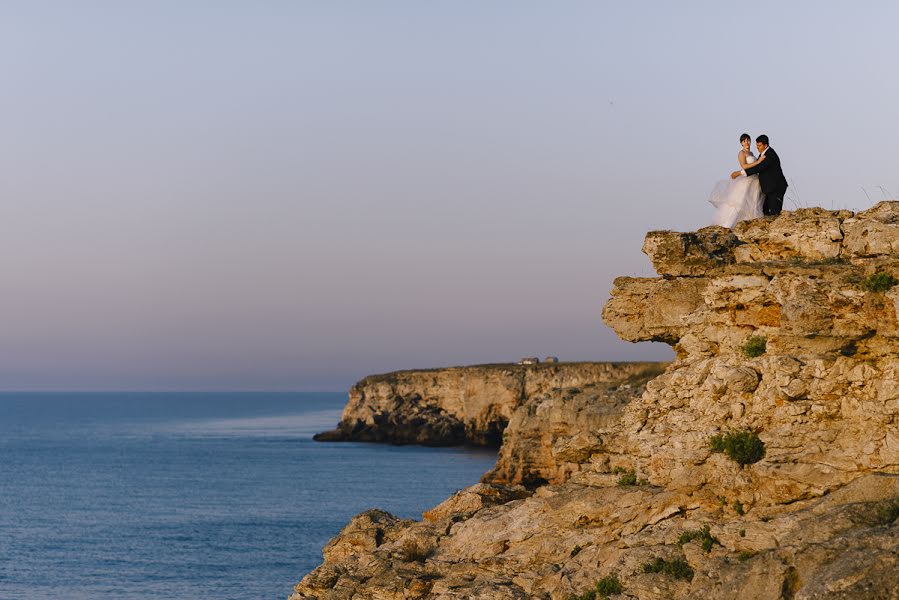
point(187, 494)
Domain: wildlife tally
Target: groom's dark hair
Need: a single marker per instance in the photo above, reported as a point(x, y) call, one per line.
point(762, 139)
point(745, 136)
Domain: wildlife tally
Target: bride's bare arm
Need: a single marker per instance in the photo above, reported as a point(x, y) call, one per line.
point(742, 158)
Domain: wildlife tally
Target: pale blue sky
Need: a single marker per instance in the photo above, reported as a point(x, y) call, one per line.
point(291, 195)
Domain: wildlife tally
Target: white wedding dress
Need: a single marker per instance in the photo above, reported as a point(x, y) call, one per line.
point(737, 199)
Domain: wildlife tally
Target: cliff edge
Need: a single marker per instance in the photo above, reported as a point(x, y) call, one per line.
point(762, 463)
point(458, 405)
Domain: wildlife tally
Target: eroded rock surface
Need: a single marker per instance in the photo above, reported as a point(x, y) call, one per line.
point(559, 541)
point(620, 476)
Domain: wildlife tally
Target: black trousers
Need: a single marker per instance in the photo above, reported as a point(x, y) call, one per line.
point(774, 201)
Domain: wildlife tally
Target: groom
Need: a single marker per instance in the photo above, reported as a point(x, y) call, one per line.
point(771, 177)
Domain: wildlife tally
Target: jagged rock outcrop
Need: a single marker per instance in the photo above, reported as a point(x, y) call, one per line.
point(560, 540)
point(823, 396)
point(459, 405)
point(786, 332)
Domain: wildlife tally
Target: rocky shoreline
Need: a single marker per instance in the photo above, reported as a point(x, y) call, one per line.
point(762, 463)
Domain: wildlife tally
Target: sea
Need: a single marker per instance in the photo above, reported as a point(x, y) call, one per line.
point(192, 495)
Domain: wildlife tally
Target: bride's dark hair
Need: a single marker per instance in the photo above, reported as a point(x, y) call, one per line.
point(745, 136)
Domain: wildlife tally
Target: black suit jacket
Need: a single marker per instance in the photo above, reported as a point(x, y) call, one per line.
point(771, 176)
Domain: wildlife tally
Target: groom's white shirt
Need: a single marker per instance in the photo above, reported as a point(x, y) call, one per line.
point(743, 171)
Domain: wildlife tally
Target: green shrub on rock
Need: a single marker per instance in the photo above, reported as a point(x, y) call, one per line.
point(605, 587)
point(629, 478)
point(755, 346)
point(879, 282)
point(743, 447)
point(677, 568)
point(706, 539)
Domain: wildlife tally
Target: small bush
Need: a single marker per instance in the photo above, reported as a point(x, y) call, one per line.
point(755, 346)
point(604, 588)
point(738, 508)
point(677, 568)
point(743, 447)
point(630, 478)
point(879, 282)
point(607, 586)
point(706, 539)
point(745, 555)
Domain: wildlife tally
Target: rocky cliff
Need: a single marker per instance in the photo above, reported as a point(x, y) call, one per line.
point(460, 405)
point(762, 463)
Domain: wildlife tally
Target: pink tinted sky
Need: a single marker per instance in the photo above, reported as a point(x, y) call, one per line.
point(291, 195)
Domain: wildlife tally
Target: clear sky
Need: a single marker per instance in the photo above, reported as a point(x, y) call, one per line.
point(292, 195)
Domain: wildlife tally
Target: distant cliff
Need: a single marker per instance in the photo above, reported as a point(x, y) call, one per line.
point(763, 463)
point(459, 405)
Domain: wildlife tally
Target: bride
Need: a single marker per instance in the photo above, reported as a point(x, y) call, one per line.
point(741, 198)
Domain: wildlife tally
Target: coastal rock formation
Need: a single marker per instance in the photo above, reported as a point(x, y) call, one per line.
point(460, 405)
point(555, 434)
point(821, 389)
point(762, 463)
point(562, 539)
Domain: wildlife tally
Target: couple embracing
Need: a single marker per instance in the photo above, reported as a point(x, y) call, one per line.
point(756, 190)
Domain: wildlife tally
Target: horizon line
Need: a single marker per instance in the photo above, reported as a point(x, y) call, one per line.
point(169, 390)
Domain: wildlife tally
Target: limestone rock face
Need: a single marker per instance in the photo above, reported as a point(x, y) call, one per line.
point(460, 405)
point(555, 434)
point(874, 232)
point(822, 396)
point(807, 234)
point(694, 253)
point(618, 477)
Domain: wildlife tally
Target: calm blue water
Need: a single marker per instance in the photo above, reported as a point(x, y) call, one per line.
point(186, 495)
